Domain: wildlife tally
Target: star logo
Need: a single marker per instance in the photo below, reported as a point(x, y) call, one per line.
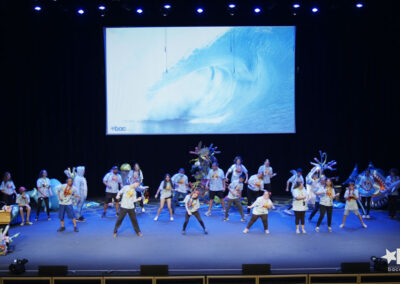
point(390, 256)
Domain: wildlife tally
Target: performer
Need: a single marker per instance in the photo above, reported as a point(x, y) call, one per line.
point(112, 181)
point(7, 188)
point(317, 187)
point(181, 186)
point(260, 210)
point(166, 187)
point(266, 169)
point(192, 205)
point(65, 194)
point(327, 194)
point(216, 185)
point(295, 178)
point(129, 198)
point(392, 178)
point(80, 184)
point(351, 195)
point(137, 172)
point(237, 169)
point(255, 189)
point(44, 192)
point(300, 205)
point(366, 183)
point(23, 204)
point(235, 194)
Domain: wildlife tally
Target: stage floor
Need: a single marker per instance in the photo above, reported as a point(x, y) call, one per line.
point(224, 249)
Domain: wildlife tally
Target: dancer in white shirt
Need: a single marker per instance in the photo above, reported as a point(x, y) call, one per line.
point(260, 210)
point(351, 195)
point(165, 188)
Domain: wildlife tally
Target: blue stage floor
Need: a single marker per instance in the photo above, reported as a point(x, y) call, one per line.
point(225, 248)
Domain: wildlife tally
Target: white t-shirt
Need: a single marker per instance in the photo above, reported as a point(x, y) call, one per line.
point(21, 200)
point(237, 171)
point(181, 182)
point(325, 198)
point(192, 204)
point(81, 185)
point(261, 206)
point(352, 203)
point(167, 191)
point(389, 181)
point(113, 180)
point(317, 187)
point(8, 187)
point(267, 171)
point(44, 185)
point(255, 183)
point(294, 179)
point(236, 187)
point(216, 179)
point(66, 193)
point(299, 204)
point(128, 197)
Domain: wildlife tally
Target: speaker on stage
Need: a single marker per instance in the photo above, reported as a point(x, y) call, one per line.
point(355, 267)
point(256, 269)
point(154, 270)
point(53, 270)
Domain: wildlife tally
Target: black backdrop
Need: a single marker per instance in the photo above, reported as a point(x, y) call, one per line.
point(53, 108)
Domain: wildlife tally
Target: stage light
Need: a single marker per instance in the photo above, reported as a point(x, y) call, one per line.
point(232, 9)
point(314, 9)
point(359, 5)
point(257, 10)
point(232, 6)
point(37, 8)
point(81, 11)
point(200, 10)
point(139, 11)
point(167, 6)
point(296, 5)
point(102, 7)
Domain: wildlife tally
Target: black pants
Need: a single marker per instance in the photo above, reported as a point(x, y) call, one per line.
point(251, 197)
point(238, 205)
point(195, 214)
point(8, 199)
point(132, 216)
point(264, 219)
point(299, 216)
point(328, 210)
point(315, 210)
point(366, 202)
point(392, 205)
point(39, 206)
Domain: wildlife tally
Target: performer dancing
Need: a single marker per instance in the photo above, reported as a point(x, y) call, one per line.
point(216, 185)
point(268, 172)
point(192, 205)
point(129, 198)
point(391, 181)
point(255, 189)
point(317, 186)
point(112, 181)
point(260, 210)
point(7, 188)
point(326, 204)
point(23, 204)
point(297, 177)
point(65, 194)
point(235, 194)
point(351, 195)
point(138, 175)
point(181, 186)
point(44, 192)
point(165, 188)
point(237, 169)
point(366, 183)
point(299, 206)
point(80, 184)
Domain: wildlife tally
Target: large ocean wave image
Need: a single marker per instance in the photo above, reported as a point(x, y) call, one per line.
point(200, 80)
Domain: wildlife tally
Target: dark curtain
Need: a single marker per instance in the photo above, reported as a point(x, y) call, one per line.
point(53, 103)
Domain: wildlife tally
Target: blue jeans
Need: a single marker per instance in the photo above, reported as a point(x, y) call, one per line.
point(79, 206)
point(175, 200)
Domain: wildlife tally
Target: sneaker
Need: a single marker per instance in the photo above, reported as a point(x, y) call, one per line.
point(304, 231)
point(246, 231)
point(205, 232)
point(29, 223)
point(317, 229)
point(61, 229)
point(155, 218)
point(80, 219)
point(183, 232)
point(208, 213)
point(368, 217)
point(226, 219)
point(171, 219)
point(243, 220)
point(36, 219)
point(365, 226)
point(48, 218)
point(139, 234)
point(143, 210)
point(287, 211)
point(114, 235)
point(76, 229)
point(297, 231)
point(330, 229)
point(267, 232)
point(364, 216)
point(22, 224)
point(341, 226)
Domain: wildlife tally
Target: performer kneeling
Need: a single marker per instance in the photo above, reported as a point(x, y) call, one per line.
point(129, 198)
point(65, 193)
point(261, 206)
point(234, 195)
point(351, 195)
point(299, 206)
point(192, 205)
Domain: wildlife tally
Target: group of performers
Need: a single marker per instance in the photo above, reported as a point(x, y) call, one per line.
point(127, 190)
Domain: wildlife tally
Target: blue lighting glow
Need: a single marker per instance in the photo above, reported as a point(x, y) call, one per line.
point(200, 10)
point(257, 10)
point(167, 6)
point(38, 8)
point(314, 9)
point(102, 7)
point(359, 5)
point(296, 5)
point(81, 12)
point(139, 11)
point(231, 6)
